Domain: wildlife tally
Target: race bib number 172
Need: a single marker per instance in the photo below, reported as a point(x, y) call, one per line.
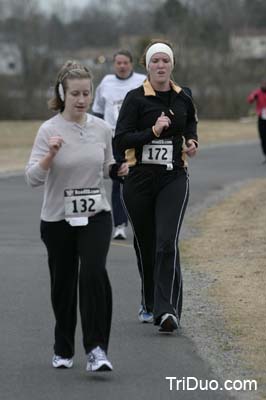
point(158, 152)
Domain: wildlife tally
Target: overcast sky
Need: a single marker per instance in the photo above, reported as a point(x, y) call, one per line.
point(69, 9)
point(78, 4)
point(49, 4)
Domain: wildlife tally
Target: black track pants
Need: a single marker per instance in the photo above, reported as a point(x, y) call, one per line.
point(156, 201)
point(262, 133)
point(119, 214)
point(77, 258)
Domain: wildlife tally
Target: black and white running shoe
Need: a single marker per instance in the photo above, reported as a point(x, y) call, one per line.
point(168, 323)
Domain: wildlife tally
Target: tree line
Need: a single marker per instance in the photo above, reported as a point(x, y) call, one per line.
point(200, 31)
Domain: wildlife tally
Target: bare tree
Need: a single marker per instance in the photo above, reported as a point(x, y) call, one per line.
point(25, 27)
point(199, 30)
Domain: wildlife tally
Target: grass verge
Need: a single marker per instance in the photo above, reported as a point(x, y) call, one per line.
point(229, 246)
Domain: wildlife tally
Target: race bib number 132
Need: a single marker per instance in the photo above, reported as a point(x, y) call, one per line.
point(82, 202)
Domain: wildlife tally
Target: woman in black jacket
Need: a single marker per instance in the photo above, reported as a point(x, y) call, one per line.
point(155, 131)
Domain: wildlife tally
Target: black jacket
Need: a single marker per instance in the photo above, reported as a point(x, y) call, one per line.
point(139, 112)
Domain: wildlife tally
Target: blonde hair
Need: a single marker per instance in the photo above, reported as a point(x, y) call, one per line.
point(70, 70)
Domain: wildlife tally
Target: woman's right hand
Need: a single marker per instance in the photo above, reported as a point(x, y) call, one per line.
point(163, 122)
point(55, 143)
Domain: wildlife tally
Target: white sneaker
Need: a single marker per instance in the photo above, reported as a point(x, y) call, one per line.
point(97, 361)
point(145, 316)
point(168, 323)
point(120, 232)
point(60, 362)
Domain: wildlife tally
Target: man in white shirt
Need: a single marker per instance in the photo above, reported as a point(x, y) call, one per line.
point(109, 97)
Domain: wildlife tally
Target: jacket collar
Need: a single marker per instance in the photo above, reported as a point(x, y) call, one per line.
point(149, 91)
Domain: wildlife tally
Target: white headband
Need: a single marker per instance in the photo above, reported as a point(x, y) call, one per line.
point(159, 48)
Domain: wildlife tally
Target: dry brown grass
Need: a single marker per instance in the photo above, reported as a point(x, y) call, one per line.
point(16, 138)
point(17, 133)
point(211, 132)
point(232, 243)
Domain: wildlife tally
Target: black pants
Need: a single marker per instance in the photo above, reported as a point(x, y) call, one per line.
point(156, 201)
point(77, 258)
point(262, 133)
point(119, 214)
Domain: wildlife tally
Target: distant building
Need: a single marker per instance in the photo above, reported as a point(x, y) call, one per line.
point(10, 59)
point(249, 45)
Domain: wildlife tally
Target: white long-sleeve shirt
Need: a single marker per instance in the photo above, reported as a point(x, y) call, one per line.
point(82, 162)
point(110, 94)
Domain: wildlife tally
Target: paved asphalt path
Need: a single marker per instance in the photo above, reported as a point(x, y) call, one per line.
point(142, 358)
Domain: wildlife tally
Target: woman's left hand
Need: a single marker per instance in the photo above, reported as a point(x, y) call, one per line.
point(118, 171)
point(191, 148)
point(123, 169)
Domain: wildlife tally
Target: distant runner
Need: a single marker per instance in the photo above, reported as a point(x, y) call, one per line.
point(109, 97)
point(259, 97)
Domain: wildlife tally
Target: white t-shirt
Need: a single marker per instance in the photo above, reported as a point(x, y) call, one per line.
point(110, 94)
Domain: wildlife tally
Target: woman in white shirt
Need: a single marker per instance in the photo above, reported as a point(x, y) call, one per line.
point(71, 155)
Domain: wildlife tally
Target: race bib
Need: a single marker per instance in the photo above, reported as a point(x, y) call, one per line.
point(82, 202)
point(116, 108)
point(263, 113)
point(158, 152)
